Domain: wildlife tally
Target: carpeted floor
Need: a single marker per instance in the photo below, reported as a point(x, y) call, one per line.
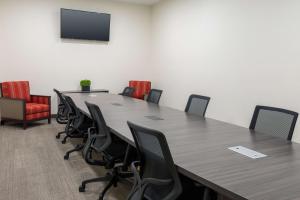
point(32, 167)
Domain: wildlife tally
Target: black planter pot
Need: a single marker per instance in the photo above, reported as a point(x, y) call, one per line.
point(86, 88)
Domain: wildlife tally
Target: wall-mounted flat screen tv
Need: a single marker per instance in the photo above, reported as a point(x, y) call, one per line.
point(76, 24)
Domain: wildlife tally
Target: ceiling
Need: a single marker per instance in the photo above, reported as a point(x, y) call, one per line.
point(146, 2)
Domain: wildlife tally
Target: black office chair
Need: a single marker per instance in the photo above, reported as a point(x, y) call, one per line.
point(77, 126)
point(197, 105)
point(62, 111)
point(76, 119)
point(154, 96)
point(100, 141)
point(70, 113)
point(128, 91)
point(274, 121)
point(157, 177)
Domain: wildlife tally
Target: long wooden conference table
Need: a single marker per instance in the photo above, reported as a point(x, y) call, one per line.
point(199, 147)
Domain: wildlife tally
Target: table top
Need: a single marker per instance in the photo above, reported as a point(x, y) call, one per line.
point(199, 147)
point(80, 91)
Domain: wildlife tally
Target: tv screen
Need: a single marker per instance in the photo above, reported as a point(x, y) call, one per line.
point(77, 24)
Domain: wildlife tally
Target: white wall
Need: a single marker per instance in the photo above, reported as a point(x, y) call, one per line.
point(31, 47)
point(239, 52)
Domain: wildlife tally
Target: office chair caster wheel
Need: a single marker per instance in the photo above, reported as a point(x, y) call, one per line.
point(81, 189)
point(58, 136)
point(66, 157)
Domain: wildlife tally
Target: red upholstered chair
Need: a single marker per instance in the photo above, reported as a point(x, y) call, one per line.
point(142, 88)
point(17, 104)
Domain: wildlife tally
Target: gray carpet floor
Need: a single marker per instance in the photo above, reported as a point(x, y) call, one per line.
point(32, 167)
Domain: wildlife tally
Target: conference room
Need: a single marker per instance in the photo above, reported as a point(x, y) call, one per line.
point(149, 100)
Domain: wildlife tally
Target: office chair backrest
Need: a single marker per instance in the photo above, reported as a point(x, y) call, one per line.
point(102, 142)
point(59, 94)
point(154, 96)
point(128, 91)
point(197, 105)
point(69, 109)
point(274, 121)
point(75, 112)
point(156, 162)
point(62, 101)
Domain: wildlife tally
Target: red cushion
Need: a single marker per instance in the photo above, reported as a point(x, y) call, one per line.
point(32, 108)
point(141, 88)
point(36, 116)
point(16, 90)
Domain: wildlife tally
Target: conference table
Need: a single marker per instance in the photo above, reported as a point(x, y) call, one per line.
point(200, 148)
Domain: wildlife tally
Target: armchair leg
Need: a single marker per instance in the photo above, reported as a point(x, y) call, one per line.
point(24, 125)
point(2, 122)
point(49, 120)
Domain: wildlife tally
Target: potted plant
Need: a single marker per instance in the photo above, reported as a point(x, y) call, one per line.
point(85, 85)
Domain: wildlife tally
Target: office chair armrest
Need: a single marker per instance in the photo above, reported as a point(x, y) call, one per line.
point(61, 108)
point(156, 182)
point(90, 131)
point(72, 117)
point(94, 138)
point(12, 108)
point(92, 135)
point(61, 105)
point(98, 136)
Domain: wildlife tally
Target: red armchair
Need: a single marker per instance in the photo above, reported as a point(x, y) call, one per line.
point(142, 88)
point(17, 104)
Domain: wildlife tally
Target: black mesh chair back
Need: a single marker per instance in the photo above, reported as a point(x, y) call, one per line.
point(158, 178)
point(99, 139)
point(63, 108)
point(128, 91)
point(59, 94)
point(102, 149)
point(274, 121)
point(197, 105)
point(154, 96)
point(75, 115)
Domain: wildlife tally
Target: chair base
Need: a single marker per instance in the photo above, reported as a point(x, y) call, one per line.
point(107, 177)
point(79, 147)
point(59, 134)
point(65, 139)
point(113, 177)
